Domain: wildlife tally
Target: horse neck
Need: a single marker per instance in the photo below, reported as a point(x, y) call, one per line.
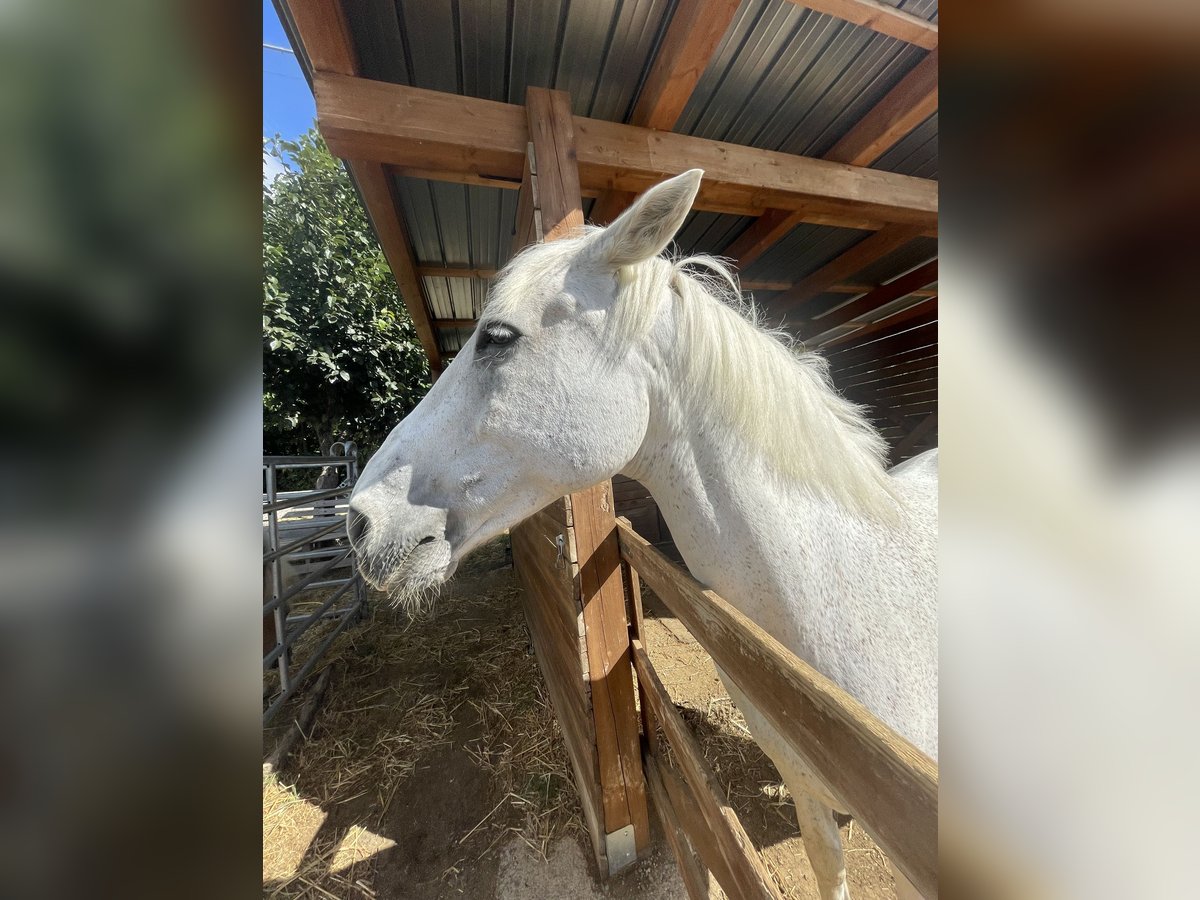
point(766, 543)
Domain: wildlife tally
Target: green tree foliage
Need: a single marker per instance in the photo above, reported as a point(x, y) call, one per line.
point(341, 358)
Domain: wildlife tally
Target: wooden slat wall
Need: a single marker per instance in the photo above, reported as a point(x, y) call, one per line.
point(892, 370)
point(555, 618)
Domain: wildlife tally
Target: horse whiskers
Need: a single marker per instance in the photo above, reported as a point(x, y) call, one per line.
point(415, 598)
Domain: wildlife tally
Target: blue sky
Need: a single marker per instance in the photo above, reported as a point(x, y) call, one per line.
point(288, 106)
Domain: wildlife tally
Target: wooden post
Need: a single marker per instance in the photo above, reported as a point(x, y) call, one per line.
point(550, 207)
point(610, 671)
point(606, 628)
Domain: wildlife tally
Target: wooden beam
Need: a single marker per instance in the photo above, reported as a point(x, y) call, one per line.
point(633, 594)
point(879, 17)
point(550, 600)
point(885, 293)
point(527, 224)
point(900, 111)
point(738, 862)
point(692, 37)
point(849, 263)
point(454, 323)
point(904, 107)
point(888, 785)
point(913, 100)
point(325, 35)
point(453, 135)
point(626, 157)
point(691, 820)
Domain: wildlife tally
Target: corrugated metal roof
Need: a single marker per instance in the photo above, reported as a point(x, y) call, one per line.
point(899, 261)
point(596, 51)
point(915, 154)
point(783, 78)
point(787, 78)
point(804, 250)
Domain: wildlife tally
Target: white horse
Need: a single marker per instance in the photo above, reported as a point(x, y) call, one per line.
point(595, 356)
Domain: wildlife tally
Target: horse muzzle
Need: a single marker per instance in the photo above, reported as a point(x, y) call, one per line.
point(401, 551)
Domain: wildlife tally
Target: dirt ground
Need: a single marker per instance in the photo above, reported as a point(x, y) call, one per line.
point(435, 768)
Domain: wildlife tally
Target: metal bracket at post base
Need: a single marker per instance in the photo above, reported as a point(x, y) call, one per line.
point(621, 849)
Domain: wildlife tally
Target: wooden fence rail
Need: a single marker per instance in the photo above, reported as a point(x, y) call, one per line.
point(714, 829)
point(888, 785)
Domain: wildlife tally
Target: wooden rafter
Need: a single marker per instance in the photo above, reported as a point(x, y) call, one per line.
point(763, 233)
point(692, 37)
point(325, 35)
point(695, 32)
point(902, 109)
point(913, 100)
point(879, 17)
point(903, 344)
point(903, 286)
point(920, 310)
point(377, 190)
point(847, 264)
point(456, 136)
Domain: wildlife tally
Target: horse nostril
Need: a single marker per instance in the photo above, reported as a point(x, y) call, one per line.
point(428, 539)
point(356, 526)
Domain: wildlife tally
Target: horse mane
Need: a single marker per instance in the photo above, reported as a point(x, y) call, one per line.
point(774, 399)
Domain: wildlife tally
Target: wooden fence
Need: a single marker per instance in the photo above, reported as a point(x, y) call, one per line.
point(889, 786)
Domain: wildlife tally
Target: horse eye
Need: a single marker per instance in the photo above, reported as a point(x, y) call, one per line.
point(497, 335)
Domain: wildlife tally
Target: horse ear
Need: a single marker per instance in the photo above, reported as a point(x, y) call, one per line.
point(645, 229)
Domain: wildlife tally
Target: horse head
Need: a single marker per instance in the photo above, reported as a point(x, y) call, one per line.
point(539, 402)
